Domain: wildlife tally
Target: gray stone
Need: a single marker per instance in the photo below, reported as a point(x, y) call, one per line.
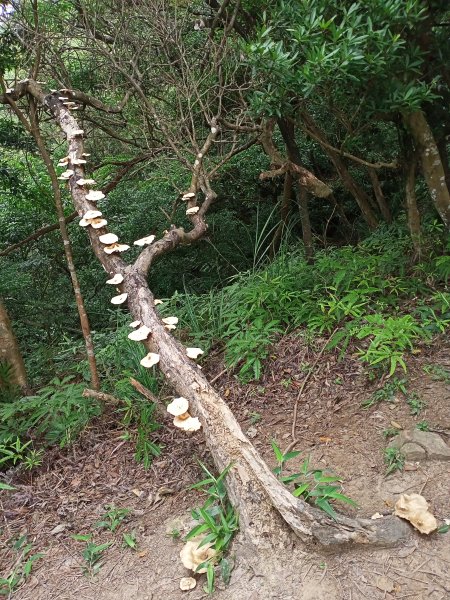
point(421, 445)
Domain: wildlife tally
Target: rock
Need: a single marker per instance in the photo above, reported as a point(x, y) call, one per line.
point(251, 432)
point(421, 445)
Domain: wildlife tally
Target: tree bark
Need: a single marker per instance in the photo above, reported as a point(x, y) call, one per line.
point(381, 200)
point(10, 351)
point(284, 213)
point(412, 211)
point(262, 501)
point(362, 199)
point(432, 167)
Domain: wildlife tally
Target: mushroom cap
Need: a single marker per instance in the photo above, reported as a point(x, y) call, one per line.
point(119, 299)
point(86, 181)
point(115, 248)
point(194, 352)
point(98, 223)
point(134, 323)
point(108, 238)
point(178, 406)
point(150, 360)
point(77, 132)
point(414, 508)
point(66, 174)
point(192, 556)
point(92, 214)
point(170, 320)
point(170, 327)
point(189, 424)
point(156, 302)
point(116, 280)
point(187, 583)
point(94, 195)
point(145, 241)
point(79, 161)
point(188, 196)
point(141, 334)
point(192, 211)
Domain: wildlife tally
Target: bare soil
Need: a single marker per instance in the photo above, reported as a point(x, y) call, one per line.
point(70, 491)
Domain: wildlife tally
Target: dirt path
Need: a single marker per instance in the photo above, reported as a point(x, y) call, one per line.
point(71, 490)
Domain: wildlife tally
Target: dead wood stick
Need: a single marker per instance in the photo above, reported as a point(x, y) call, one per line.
point(106, 398)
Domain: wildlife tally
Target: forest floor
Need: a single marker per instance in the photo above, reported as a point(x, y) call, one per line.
point(68, 494)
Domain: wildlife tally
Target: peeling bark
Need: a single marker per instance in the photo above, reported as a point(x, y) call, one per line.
point(430, 158)
point(262, 501)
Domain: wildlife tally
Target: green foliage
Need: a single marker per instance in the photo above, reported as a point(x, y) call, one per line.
point(23, 565)
point(8, 391)
point(313, 485)
point(14, 451)
point(129, 540)
point(113, 517)
point(387, 393)
point(92, 553)
point(56, 414)
point(394, 460)
point(438, 373)
point(423, 426)
point(416, 403)
point(217, 520)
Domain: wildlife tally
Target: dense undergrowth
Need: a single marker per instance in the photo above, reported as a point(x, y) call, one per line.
point(374, 295)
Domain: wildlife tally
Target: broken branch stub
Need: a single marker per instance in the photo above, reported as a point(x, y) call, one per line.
point(261, 500)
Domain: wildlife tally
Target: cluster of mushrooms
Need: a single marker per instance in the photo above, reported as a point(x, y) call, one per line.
point(94, 218)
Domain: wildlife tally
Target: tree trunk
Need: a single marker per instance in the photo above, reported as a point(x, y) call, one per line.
point(412, 211)
point(432, 167)
point(262, 501)
point(362, 199)
point(381, 200)
point(284, 214)
point(302, 200)
point(84, 319)
point(10, 351)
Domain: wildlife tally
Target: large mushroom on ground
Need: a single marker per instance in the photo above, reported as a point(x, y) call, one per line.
point(414, 508)
point(192, 556)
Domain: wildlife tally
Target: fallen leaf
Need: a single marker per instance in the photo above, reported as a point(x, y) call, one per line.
point(227, 393)
point(58, 529)
point(384, 584)
point(324, 439)
point(396, 425)
point(137, 493)
point(142, 553)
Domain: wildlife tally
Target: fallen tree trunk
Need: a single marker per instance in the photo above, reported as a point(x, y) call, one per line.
point(261, 500)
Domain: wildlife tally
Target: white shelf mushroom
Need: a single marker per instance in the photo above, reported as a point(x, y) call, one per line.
point(108, 238)
point(116, 280)
point(93, 218)
point(150, 360)
point(156, 302)
point(119, 299)
point(63, 98)
point(170, 320)
point(190, 424)
point(145, 241)
point(66, 174)
point(111, 248)
point(86, 181)
point(139, 335)
point(193, 211)
point(77, 132)
point(93, 196)
point(85, 154)
point(188, 196)
point(134, 323)
point(79, 161)
point(179, 408)
point(194, 352)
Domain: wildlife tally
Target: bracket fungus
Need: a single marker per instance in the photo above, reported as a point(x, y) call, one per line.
point(193, 211)
point(86, 181)
point(78, 161)
point(179, 408)
point(150, 360)
point(156, 302)
point(192, 556)
point(145, 241)
point(414, 508)
point(66, 174)
point(116, 280)
point(188, 424)
point(116, 248)
point(119, 299)
point(92, 217)
point(194, 352)
point(188, 196)
point(77, 132)
point(93, 196)
point(139, 335)
point(108, 238)
point(135, 324)
point(170, 320)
